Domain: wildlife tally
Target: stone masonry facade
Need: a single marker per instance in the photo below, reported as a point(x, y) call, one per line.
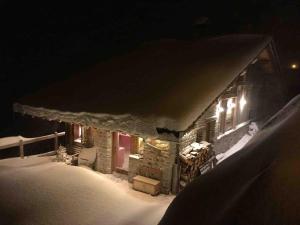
point(103, 143)
point(157, 164)
point(201, 125)
point(163, 160)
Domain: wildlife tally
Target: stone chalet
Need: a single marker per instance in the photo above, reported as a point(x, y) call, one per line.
point(141, 109)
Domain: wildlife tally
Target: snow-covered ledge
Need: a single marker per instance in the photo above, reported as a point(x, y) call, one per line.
point(144, 127)
point(239, 145)
point(232, 130)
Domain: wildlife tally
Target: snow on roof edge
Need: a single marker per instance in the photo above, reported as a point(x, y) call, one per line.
point(126, 122)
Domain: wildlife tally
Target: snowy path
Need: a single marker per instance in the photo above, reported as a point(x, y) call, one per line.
point(36, 190)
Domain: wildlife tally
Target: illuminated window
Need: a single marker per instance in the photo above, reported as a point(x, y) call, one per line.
point(226, 114)
point(219, 109)
point(159, 144)
point(242, 103)
point(230, 114)
point(243, 109)
point(78, 133)
point(221, 115)
point(140, 145)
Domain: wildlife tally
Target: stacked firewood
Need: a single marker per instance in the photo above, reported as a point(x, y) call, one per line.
point(193, 159)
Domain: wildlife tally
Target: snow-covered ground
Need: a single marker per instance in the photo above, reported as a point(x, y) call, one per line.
point(36, 191)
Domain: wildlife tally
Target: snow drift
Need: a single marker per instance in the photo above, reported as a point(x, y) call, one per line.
point(37, 191)
point(259, 185)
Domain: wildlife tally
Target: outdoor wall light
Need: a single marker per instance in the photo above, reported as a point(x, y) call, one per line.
point(230, 104)
point(294, 66)
point(243, 102)
point(219, 109)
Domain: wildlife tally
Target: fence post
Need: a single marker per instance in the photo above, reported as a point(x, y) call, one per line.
point(55, 141)
point(21, 146)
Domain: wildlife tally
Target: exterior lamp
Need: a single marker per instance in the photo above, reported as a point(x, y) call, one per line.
point(243, 102)
point(230, 104)
point(294, 66)
point(219, 109)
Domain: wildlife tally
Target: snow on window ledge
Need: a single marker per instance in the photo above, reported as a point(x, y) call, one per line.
point(232, 130)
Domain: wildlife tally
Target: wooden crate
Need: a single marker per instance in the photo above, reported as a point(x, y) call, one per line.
point(147, 185)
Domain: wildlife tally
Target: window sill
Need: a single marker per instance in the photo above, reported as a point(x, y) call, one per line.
point(232, 130)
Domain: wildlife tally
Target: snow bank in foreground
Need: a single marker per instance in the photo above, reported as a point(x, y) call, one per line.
point(259, 185)
point(37, 191)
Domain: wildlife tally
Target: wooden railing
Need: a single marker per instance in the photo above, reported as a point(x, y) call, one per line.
point(21, 141)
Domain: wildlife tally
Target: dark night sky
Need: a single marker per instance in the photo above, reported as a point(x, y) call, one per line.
point(47, 42)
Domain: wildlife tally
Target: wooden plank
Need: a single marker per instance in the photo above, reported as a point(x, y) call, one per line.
point(21, 146)
point(9, 145)
point(146, 180)
point(146, 185)
point(42, 138)
point(31, 140)
point(55, 141)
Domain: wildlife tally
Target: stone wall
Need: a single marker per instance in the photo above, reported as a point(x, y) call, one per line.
point(228, 140)
point(103, 143)
point(154, 159)
point(88, 141)
point(163, 160)
point(201, 125)
point(209, 113)
point(134, 165)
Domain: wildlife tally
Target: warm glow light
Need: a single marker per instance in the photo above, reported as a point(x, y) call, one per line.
point(294, 66)
point(162, 145)
point(230, 104)
point(243, 102)
point(219, 109)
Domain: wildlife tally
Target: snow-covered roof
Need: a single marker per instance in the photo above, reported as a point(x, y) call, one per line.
point(162, 84)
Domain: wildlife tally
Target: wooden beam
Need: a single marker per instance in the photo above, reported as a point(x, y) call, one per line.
point(26, 141)
point(55, 141)
point(21, 147)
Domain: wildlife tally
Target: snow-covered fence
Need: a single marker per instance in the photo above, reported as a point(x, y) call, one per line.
point(20, 141)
